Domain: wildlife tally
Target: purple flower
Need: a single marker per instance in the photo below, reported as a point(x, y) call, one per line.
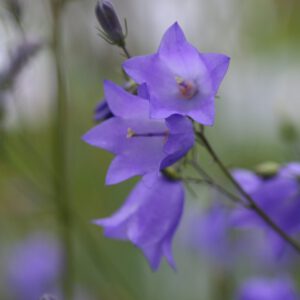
point(102, 111)
point(209, 229)
point(141, 145)
point(149, 218)
point(34, 267)
point(212, 234)
point(267, 289)
point(278, 196)
point(181, 80)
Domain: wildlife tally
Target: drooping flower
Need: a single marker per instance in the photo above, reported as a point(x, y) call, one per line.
point(181, 80)
point(33, 267)
point(267, 289)
point(278, 196)
point(142, 145)
point(149, 218)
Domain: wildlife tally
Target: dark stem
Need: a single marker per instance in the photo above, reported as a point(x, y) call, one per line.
point(215, 185)
point(126, 52)
point(60, 153)
point(252, 204)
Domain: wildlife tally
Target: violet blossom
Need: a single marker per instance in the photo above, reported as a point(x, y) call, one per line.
point(181, 80)
point(141, 145)
point(267, 289)
point(149, 218)
point(33, 267)
point(212, 234)
point(278, 196)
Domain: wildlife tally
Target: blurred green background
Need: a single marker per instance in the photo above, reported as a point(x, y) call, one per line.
point(257, 98)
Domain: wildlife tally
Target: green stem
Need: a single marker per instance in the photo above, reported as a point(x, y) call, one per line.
point(60, 153)
point(252, 204)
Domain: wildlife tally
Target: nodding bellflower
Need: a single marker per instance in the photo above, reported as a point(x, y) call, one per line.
point(181, 80)
point(141, 145)
point(149, 218)
point(277, 195)
point(267, 289)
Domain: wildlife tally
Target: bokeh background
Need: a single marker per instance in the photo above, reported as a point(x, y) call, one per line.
point(257, 120)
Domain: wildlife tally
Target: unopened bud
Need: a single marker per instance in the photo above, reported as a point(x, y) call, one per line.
point(171, 174)
point(267, 169)
point(109, 21)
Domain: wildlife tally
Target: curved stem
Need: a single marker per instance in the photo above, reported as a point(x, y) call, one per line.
point(252, 203)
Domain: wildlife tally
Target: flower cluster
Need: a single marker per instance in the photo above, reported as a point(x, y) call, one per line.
point(152, 129)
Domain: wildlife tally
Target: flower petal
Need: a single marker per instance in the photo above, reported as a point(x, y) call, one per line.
point(124, 104)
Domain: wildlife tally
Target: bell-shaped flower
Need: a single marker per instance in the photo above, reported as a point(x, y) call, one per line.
point(181, 80)
point(267, 289)
point(149, 218)
point(141, 145)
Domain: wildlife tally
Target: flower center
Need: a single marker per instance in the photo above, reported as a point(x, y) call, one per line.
point(131, 134)
point(187, 88)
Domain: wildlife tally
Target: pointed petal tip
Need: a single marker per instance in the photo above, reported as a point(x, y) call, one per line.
point(175, 26)
point(87, 138)
point(154, 265)
point(111, 180)
point(98, 222)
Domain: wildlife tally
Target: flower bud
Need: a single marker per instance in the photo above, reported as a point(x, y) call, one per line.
point(110, 23)
point(267, 169)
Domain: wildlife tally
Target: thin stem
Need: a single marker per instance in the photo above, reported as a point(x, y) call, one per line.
point(216, 186)
point(60, 152)
point(126, 52)
point(252, 203)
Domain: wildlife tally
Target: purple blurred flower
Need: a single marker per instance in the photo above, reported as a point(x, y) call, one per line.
point(181, 80)
point(102, 112)
point(34, 267)
point(267, 289)
point(278, 196)
point(210, 234)
point(149, 218)
point(142, 145)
